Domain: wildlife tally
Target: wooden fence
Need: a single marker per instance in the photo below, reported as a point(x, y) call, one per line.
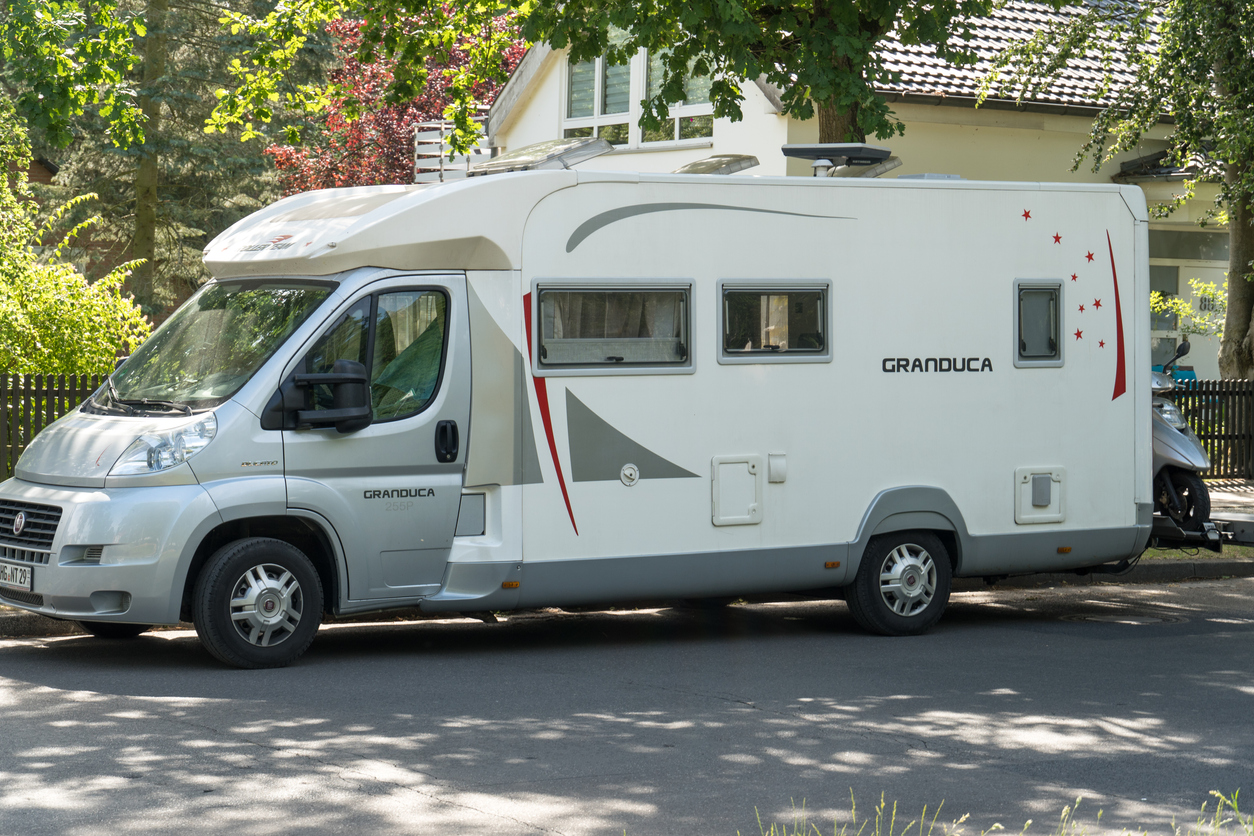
point(1221, 412)
point(32, 402)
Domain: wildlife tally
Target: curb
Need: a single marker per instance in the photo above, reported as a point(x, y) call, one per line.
point(18, 624)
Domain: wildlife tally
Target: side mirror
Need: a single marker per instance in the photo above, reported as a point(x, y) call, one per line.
point(117, 364)
point(350, 397)
point(1183, 349)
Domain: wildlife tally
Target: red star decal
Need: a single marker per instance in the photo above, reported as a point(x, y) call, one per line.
point(1089, 256)
point(1081, 309)
point(1027, 215)
point(1079, 335)
point(1097, 303)
point(1057, 238)
point(1073, 277)
point(1101, 343)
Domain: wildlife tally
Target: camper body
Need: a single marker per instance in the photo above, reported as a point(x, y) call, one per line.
point(597, 387)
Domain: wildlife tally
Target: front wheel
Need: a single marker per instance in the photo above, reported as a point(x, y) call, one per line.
point(257, 603)
point(1193, 506)
point(902, 585)
point(113, 630)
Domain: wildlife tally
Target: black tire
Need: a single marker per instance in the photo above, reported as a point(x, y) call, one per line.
point(1194, 498)
point(902, 585)
point(113, 630)
point(273, 574)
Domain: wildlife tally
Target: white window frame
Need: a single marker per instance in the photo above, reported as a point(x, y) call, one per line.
point(635, 136)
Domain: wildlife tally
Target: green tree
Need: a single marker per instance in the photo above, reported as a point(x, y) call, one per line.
point(821, 53)
point(1190, 60)
point(52, 320)
point(127, 112)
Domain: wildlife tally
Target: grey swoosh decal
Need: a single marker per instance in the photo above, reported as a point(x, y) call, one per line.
point(604, 219)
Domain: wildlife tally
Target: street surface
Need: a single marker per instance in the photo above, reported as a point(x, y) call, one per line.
point(666, 721)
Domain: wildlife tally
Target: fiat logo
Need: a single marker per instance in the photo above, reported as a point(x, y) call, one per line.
point(19, 523)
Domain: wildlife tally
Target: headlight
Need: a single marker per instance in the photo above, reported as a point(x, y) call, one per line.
point(1172, 415)
point(154, 452)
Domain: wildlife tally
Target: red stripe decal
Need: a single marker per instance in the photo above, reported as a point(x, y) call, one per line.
point(542, 397)
point(1121, 380)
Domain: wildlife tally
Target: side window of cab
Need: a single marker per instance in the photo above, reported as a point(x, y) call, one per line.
point(401, 339)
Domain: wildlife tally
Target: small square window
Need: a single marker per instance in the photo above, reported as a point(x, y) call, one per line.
point(1038, 323)
point(774, 323)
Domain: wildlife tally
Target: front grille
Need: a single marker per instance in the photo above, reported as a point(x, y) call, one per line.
point(33, 599)
point(40, 527)
point(23, 555)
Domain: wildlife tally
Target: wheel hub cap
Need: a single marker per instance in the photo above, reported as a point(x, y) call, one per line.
point(266, 605)
point(908, 579)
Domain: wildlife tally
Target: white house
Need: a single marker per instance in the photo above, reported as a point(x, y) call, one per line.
point(550, 97)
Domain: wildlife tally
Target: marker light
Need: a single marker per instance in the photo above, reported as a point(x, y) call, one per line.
point(154, 452)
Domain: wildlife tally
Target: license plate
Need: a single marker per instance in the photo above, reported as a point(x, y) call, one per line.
point(16, 577)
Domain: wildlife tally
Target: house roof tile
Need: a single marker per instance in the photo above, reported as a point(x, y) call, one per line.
point(922, 73)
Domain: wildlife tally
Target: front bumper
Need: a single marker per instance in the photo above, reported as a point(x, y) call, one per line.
point(119, 554)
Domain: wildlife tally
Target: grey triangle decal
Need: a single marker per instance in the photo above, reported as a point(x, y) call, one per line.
point(598, 451)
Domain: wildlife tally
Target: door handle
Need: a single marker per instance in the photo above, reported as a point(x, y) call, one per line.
point(446, 442)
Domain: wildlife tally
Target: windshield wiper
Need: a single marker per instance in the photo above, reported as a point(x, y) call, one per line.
point(143, 403)
point(113, 393)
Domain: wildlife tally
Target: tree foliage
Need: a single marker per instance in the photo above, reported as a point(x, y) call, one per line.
point(377, 146)
point(52, 320)
point(1190, 60)
point(820, 53)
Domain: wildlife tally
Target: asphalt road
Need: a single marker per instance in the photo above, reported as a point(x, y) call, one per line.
point(647, 722)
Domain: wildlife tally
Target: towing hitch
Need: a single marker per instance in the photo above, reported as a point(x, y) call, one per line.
point(1166, 534)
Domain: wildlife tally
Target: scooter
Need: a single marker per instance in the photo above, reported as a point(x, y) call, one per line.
point(1181, 500)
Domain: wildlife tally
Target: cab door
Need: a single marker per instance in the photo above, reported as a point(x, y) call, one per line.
point(391, 490)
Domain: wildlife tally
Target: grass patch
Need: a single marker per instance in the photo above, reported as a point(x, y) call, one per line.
point(1231, 550)
point(1220, 817)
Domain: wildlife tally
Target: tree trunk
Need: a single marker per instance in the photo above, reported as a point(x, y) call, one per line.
point(144, 243)
point(1236, 349)
point(836, 125)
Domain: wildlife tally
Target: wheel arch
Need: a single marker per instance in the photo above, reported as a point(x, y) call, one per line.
point(301, 532)
point(912, 508)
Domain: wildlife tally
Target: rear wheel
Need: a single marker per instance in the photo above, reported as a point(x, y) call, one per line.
point(902, 585)
point(113, 630)
point(1194, 498)
point(257, 603)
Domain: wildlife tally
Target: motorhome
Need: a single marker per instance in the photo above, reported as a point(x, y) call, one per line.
point(568, 387)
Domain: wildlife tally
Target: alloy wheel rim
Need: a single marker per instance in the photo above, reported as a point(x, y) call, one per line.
point(908, 580)
point(266, 605)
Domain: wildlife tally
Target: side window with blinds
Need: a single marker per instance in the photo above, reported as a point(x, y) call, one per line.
point(774, 323)
point(1038, 323)
point(637, 329)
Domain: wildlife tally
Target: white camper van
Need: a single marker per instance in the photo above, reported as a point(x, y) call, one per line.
point(566, 387)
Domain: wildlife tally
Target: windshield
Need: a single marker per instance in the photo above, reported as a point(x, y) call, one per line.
point(210, 347)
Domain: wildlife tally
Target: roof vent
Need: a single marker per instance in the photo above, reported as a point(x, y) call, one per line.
point(718, 164)
point(554, 154)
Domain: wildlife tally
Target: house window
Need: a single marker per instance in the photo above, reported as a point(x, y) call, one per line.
point(1038, 323)
point(613, 328)
point(774, 323)
point(603, 100)
point(1166, 280)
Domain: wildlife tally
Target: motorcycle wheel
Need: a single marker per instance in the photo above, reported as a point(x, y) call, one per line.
point(1193, 495)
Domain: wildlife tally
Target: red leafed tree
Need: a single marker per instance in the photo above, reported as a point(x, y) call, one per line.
point(377, 147)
